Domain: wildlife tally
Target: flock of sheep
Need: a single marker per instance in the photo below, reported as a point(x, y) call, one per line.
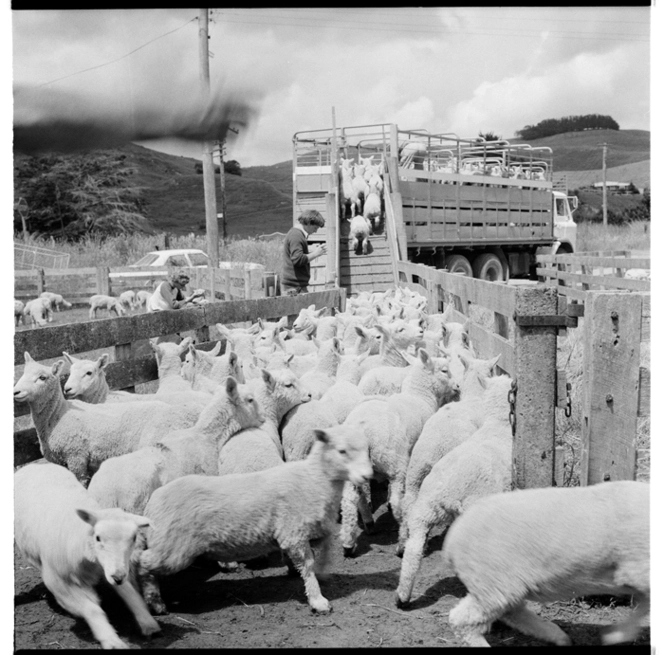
point(269, 446)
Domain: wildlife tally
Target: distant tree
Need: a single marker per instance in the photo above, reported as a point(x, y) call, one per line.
point(198, 167)
point(642, 211)
point(490, 136)
point(551, 126)
point(232, 167)
point(77, 195)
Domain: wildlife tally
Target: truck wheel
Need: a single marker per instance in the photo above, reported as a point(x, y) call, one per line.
point(488, 267)
point(459, 264)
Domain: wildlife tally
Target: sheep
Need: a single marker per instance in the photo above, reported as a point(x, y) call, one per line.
point(389, 353)
point(128, 300)
point(206, 370)
point(81, 436)
point(101, 301)
point(348, 196)
point(242, 516)
point(321, 377)
point(75, 545)
point(479, 466)
point(299, 425)
point(128, 481)
point(56, 300)
point(324, 326)
point(344, 394)
point(372, 205)
point(545, 545)
point(452, 424)
point(38, 311)
point(393, 426)
point(360, 187)
point(258, 448)
point(142, 297)
point(18, 312)
point(87, 381)
point(360, 229)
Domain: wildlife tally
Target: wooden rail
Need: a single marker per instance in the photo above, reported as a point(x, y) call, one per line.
point(126, 335)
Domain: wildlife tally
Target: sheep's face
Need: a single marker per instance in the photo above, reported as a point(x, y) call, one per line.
point(84, 375)
point(112, 540)
point(346, 452)
point(38, 381)
point(288, 391)
point(406, 333)
point(245, 405)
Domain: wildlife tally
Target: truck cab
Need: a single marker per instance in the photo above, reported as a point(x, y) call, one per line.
point(564, 227)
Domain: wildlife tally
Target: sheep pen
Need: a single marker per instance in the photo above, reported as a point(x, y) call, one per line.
point(259, 605)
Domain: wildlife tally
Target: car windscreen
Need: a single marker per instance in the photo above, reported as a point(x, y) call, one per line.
point(198, 259)
point(147, 260)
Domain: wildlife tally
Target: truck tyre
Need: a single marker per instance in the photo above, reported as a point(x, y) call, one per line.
point(488, 267)
point(459, 264)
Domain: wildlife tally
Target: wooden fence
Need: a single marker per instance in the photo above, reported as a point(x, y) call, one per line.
point(78, 284)
point(133, 364)
point(616, 387)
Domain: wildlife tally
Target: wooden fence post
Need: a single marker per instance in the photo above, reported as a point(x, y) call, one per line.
point(123, 352)
point(227, 284)
point(247, 284)
point(612, 348)
point(103, 280)
point(533, 451)
point(40, 281)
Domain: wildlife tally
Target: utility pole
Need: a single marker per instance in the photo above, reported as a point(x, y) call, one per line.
point(222, 185)
point(211, 226)
point(604, 209)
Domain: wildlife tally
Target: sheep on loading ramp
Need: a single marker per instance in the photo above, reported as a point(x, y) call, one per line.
point(76, 545)
point(545, 545)
point(242, 516)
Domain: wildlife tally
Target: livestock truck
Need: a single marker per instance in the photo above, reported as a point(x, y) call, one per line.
point(480, 208)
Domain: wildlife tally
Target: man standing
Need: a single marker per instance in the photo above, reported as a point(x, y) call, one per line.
point(296, 271)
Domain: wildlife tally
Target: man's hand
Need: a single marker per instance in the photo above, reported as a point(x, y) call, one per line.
point(319, 251)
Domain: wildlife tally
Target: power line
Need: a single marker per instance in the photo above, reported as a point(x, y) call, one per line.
point(108, 63)
point(442, 31)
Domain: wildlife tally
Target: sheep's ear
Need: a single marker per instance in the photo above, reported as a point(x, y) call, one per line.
point(231, 388)
point(289, 358)
point(141, 521)
point(447, 313)
point(316, 342)
point(184, 344)
point(465, 360)
point(311, 308)
point(222, 329)
point(425, 358)
point(321, 435)
point(232, 358)
point(26, 356)
point(269, 380)
point(254, 329)
point(483, 380)
point(68, 357)
point(87, 516)
point(336, 344)
point(103, 360)
point(320, 312)
point(216, 350)
point(155, 348)
point(494, 361)
point(283, 322)
point(382, 329)
point(360, 332)
point(261, 324)
point(57, 367)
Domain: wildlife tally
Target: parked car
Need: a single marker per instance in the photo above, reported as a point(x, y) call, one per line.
point(187, 257)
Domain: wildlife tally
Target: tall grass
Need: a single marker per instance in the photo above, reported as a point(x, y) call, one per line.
point(125, 250)
point(591, 236)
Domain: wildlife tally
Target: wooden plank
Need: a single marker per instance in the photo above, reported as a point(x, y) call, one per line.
point(366, 269)
point(533, 451)
point(612, 336)
point(605, 281)
point(644, 392)
point(603, 262)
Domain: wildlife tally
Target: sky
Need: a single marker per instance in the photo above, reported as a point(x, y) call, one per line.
point(447, 69)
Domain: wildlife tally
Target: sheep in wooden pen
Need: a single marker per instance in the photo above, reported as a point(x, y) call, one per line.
point(142, 297)
point(128, 300)
point(479, 466)
point(38, 311)
point(80, 435)
point(109, 303)
point(546, 545)
point(242, 516)
point(76, 545)
point(323, 374)
point(206, 370)
point(56, 300)
point(128, 481)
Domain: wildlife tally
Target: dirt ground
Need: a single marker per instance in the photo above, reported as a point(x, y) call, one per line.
point(260, 605)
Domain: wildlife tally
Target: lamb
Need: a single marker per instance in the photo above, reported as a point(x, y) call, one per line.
point(56, 300)
point(75, 545)
point(258, 448)
point(322, 376)
point(360, 229)
point(81, 436)
point(101, 301)
point(348, 198)
point(206, 370)
point(344, 394)
point(128, 481)
point(452, 424)
point(242, 516)
point(360, 187)
point(545, 545)
point(298, 428)
point(128, 300)
point(479, 466)
point(372, 205)
point(142, 297)
point(18, 312)
point(38, 311)
point(324, 326)
point(392, 427)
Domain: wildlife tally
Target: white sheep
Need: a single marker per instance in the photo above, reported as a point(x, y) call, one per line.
point(258, 448)
point(38, 311)
point(546, 545)
point(479, 466)
point(242, 516)
point(348, 196)
point(322, 376)
point(452, 424)
point(56, 300)
point(76, 545)
point(101, 301)
point(298, 428)
point(19, 317)
point(128, 300)
point(360, 229)
point(142, 297)
point(360, 187)
point(392, 426)
point(344, 394)
point(324, 325)
point(372, 205)
point(207, 370)
point(128, 481)
point(80, 435)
